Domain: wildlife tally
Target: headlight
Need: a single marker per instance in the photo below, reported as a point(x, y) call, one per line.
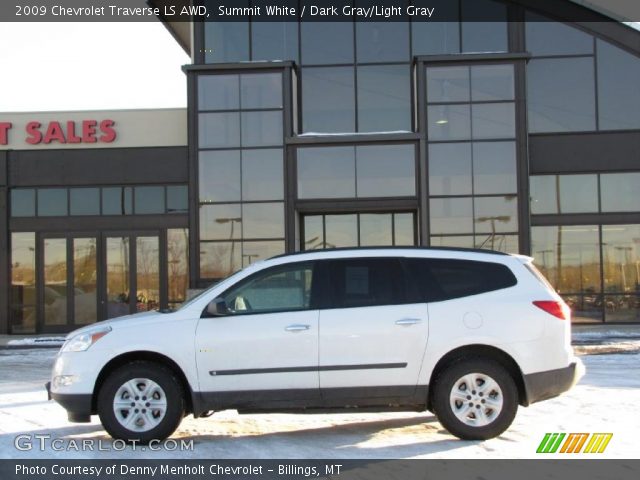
point(82, 341)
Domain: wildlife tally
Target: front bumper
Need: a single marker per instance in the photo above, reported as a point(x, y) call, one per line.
point(78, 406)
point(551, 383)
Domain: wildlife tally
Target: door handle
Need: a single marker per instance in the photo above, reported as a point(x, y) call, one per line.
point(296, 328)
point(408, 321)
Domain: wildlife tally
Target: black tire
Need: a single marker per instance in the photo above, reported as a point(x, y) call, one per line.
point(171, 389)
point(441, 400)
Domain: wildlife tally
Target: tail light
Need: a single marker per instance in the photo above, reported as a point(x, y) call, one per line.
point(558, 309)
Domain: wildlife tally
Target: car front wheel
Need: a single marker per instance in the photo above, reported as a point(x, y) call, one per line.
point(475, 399)
point(141, 401)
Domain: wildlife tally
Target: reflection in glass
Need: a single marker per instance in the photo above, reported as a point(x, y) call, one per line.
point(218, 92)
point(450, 168)
point(585, 308)
point(564, 101)
point(492, 82)
point(260, 250)
point(148, 200)
point(326, 42)
point(85, 300)
point(263, 220)
point(578, 193)
point(52, 202)
point(376, 229)
point(117, 200)
point(22, 297)
point(546, 38)
point(544, 194)
point(178, 265)
point(220, 259)
point(274, 41)
point(460, 241)
point(55, 281)
point(384, 98)
point(382, 41)
point(447, 84)
point(328, 98)
point(496, 214)
point(227, 41)
point(403, 225)
point(341, 231)
point(147, 274)
point(437, 38)
point(498, 242)
point(494, 168)
point(220, 222)
point(621, 258)
point(385, 170)
point(620, 192)
point(261, 90)
point(326, 172)
point(622, 308)
point(478, 36)
point(262, 174)
point(84, 201)
point(118, 288)
point(313, 232)
point(23, 202)
point(449, 122)
point(493, 120)
point(219, 176)
point(177, 199)
point(262, 129)
point(219, 130)
point(451, 215)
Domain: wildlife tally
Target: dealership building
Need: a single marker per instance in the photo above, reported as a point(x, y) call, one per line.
point(520, 134)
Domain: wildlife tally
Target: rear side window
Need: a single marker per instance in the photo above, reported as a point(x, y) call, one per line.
point(445, 279)
point(365, 282)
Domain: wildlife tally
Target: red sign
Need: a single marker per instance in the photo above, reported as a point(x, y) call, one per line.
point(85, 131)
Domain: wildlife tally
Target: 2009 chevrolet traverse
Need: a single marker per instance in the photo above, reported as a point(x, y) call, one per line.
point(466, 334)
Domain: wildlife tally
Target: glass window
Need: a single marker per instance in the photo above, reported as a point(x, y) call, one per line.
point(618, 88)
point(22, 294)
point(85, 292)
point(493, 120)
point(494, 168)
point(496, 214)
point(437, 38)
point(450, 168)
point(449, 122)
point(220, 222)
point(384, 98)
point(451, 215)
point(178, 265)
point(218, 92)
point(274, 41)
point(458, 241)
point(366, 282)
point(261, 129)
point(341, 231)
point(448, 84)
point(149, 200)
point(382, 41)
point(55, 281)
point(385, 170)
point(578, 193)
point(544, 194)
point(564, 101)
point(23, 202)
point(327, 172)
point(84, 201)
point(219, 130)
point(177, 199)
point(117, 200)
point(219, 176)
point(220, 259)
point(262, 220)
point(262, 177)
point(620, 192)
point(621, 252)
point(479, 36)
point(403, 229)
point(545, 37)
point(492, 83)
point(227, 41)
point(498, 242)
point(52, 202)
point(254, 251)
point(326, 42)
point(328, 98)
point(622, 308)
point(281, 288)
point(313, 232)
point(376, 229)
point(261, 90)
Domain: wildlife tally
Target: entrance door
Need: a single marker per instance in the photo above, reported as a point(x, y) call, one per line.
point(132, 274)
point(68, 281)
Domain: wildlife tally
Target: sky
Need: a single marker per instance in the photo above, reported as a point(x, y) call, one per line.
point(90, 66)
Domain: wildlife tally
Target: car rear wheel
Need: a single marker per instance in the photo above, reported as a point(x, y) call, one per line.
point(141, 401)
point(475, 399)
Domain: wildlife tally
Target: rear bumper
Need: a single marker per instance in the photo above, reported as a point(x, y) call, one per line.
point(551, 383)
point(78, 406)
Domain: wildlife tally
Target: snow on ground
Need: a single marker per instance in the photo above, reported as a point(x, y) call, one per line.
point(605, 401)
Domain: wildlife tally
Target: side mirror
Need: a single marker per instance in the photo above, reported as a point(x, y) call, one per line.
point(217, 307)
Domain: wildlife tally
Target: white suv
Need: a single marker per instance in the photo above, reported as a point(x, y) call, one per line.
point(466, 334)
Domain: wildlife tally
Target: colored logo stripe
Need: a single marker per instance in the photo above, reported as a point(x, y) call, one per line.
point(550, 442)
point(574, 442)
point(598, 442)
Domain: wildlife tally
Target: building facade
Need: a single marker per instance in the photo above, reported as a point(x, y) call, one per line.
point(519, 134)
